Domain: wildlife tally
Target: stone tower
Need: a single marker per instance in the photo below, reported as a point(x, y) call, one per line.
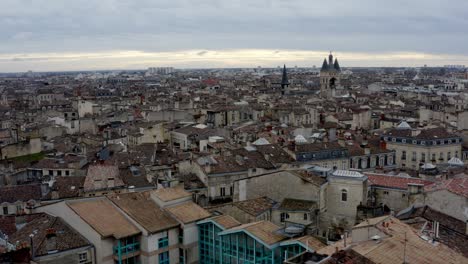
point(284, 81)
point(329, 77)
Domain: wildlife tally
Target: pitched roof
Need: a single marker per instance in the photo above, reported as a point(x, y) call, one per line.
point(390, 249)
point(171, 194)
point(226, 221)
point(103, 217)
point(141, 208)
point(457, 186)
point(24, 193)
point(255, 206)
point(265, 231)
point(395, 182)
point(66, 237)
point(188, 212)
point(100, 176)
point(68, 186)
point(425, 134)
point(452, 231)
point(297, 205)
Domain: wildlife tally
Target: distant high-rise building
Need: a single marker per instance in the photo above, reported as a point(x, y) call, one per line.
point(160, 70)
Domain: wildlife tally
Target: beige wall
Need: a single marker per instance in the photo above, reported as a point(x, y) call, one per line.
point(428, 150)
point(21, 149)
point(277, 186)
point(103, 246)
point(338, 210)
point(448, 203)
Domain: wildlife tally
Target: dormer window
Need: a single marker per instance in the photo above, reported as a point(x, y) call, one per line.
point(403, 140)
point(423, 142)
point(393, 139)
point(415, 142)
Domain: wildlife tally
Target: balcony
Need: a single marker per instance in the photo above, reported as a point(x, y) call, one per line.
point(126, 251)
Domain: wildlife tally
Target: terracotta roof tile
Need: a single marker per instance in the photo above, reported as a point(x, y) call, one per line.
point(395, 182)
point(457, 186)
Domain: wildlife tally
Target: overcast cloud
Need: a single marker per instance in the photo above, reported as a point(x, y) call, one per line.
point(85, 34)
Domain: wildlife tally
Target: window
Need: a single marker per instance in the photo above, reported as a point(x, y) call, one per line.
point(403, 195)
point(222, 191)
point(385, 192)
point(231, 190)
point(403, 140)
point(423, 157)
point(67, 173)
point(51, 172)
point(19, 208)
point(344, 195)
point(433, 157)
point(456, 154)
point(164, 258)
point(415, 142)
point(181, 256)
point(5, 210)
point(393, 139)
point(163, 241)
point(83, 257)
point(413, 158)
point(284, 216)
point(423, 142)
point(449, 155)
point(59, 173)
point(403, 155)
point(305, 217)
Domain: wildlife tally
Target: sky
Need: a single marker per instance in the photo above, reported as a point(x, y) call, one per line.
point(57, 35)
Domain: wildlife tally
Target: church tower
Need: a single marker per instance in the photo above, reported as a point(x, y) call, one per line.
point(284, 82)
point(329, 77)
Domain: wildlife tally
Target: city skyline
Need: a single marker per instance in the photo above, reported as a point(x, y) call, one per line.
point(118, 34)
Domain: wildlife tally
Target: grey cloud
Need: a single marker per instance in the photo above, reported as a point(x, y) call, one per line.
point(431, 26)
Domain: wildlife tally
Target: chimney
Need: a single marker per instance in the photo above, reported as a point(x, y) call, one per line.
point(208, 167)
point(367, 150)
point(110, 183)
point(415, 132)
point(240, 160)
point(51, 241)
point(383, 144)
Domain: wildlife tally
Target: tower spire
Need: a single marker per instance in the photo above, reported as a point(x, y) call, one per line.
point(324, 65)
point(284, 79)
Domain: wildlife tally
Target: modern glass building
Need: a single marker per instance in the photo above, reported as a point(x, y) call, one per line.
point(222, 239)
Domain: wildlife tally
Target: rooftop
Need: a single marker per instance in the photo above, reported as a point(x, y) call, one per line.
point(144, 211)
point(103, 217)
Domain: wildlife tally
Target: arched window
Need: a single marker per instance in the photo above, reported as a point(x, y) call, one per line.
point(344, 195)
point(284, 216)
point(306, 216)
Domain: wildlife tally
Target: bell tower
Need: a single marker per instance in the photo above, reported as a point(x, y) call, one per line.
point(329, 77)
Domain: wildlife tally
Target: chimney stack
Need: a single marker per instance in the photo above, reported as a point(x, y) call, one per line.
point(51, 240)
